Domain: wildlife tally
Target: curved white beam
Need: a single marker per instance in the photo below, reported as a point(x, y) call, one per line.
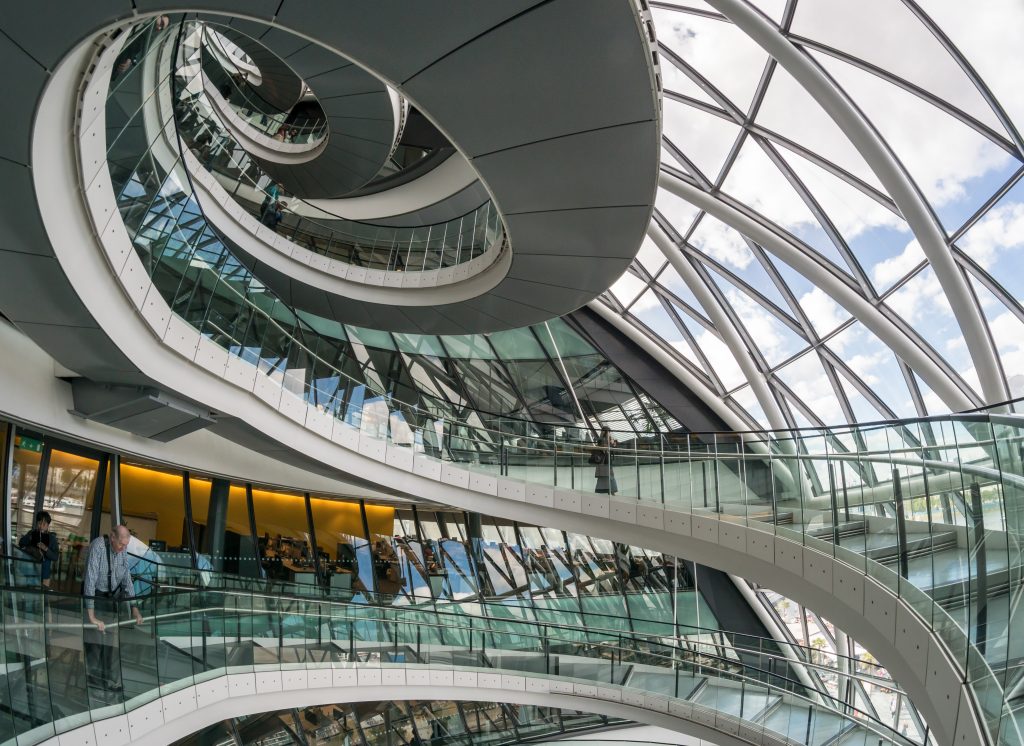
point(894, 178)
point(725, 326)
point(946, 389)
point(440, 182)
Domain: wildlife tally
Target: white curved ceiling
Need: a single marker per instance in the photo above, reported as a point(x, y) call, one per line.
point(938, 84)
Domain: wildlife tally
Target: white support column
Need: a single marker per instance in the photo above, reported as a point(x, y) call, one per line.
point(846, 296)
point(725, 326)
point(894, 178)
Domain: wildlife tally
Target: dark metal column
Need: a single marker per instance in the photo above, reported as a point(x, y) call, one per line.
point(217, 522)
point(100, 488)
point(6, 478)
point(981, 566)
point(186, 487)
point(44, 472)
point(312, 535)
point(475, 534)
point(250, 508)
point(901, 524)
point(115, 490)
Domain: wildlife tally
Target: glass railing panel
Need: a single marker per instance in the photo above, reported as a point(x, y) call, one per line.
point(254, 630)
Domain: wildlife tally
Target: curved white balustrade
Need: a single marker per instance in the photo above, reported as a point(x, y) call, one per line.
point(233, 693)
point(346, 281)
point(260, 144)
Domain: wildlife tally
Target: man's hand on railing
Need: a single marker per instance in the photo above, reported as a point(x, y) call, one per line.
point(93, 620)
point(137, 615)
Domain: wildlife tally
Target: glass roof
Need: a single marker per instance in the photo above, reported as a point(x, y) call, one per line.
point(939, 83)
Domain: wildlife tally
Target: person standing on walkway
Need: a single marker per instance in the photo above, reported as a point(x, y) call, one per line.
point(41, 545)
point(107, 582)
point(601, 457)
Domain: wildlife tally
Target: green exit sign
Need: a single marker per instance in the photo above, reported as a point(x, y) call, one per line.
point(29, 444)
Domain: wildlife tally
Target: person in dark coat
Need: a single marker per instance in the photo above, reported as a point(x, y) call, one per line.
point(41, 544)
point(604, 472)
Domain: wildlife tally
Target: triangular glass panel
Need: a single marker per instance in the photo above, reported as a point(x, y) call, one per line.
point(671, 281)
point(806, 378)
point(676, 210)
point(721, 360)
point(875, 234)
point(902, 46)
point(996, 241)
point(745, 398)
point(757, 182)
point(704, 138)
point(922, 303)
point(989, 37)
point(718, 50)
point(650, 257)
point(776, 341)
point(932, 402)
point(753, 272)
point(876, 365)
point(789, 110)
point(674, 79)
point(627, 288)
point(955, 166)
point(824, 314)
point(1007, 333)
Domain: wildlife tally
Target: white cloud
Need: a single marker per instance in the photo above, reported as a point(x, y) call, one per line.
point(825, 314)
point(920, 299)
point(719, 51)
point(989, 34)
point(1000, 230)
point(627, 288)
point(718, 240)
point(809, 382)
point(864, 365)
point(895, 268)
point(764, 330)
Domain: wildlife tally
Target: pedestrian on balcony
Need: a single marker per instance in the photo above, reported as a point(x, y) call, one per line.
point(601, 457)
point(273, 195)
point(41, 545)
point(107, 584)
point(273, 215)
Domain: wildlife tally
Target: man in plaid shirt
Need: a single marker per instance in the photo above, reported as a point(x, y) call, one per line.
point(107, 580)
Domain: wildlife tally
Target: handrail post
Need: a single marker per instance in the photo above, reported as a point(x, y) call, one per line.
point(901, 525)
point(981, 567)
point(833, 503)
point(661, 465)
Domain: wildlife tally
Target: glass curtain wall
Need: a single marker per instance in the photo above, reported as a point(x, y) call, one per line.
point(440, 723)
point(370, 553)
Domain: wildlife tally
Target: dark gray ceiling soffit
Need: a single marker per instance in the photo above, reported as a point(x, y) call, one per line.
point(140, 410)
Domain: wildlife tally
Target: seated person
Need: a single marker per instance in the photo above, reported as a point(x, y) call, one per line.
point(41, 545)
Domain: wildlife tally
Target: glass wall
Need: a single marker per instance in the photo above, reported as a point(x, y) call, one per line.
point(440, 723)
point(69, 499)
point(284, 537)
point(153, 506)
point(28, 451)
point(370, 553)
